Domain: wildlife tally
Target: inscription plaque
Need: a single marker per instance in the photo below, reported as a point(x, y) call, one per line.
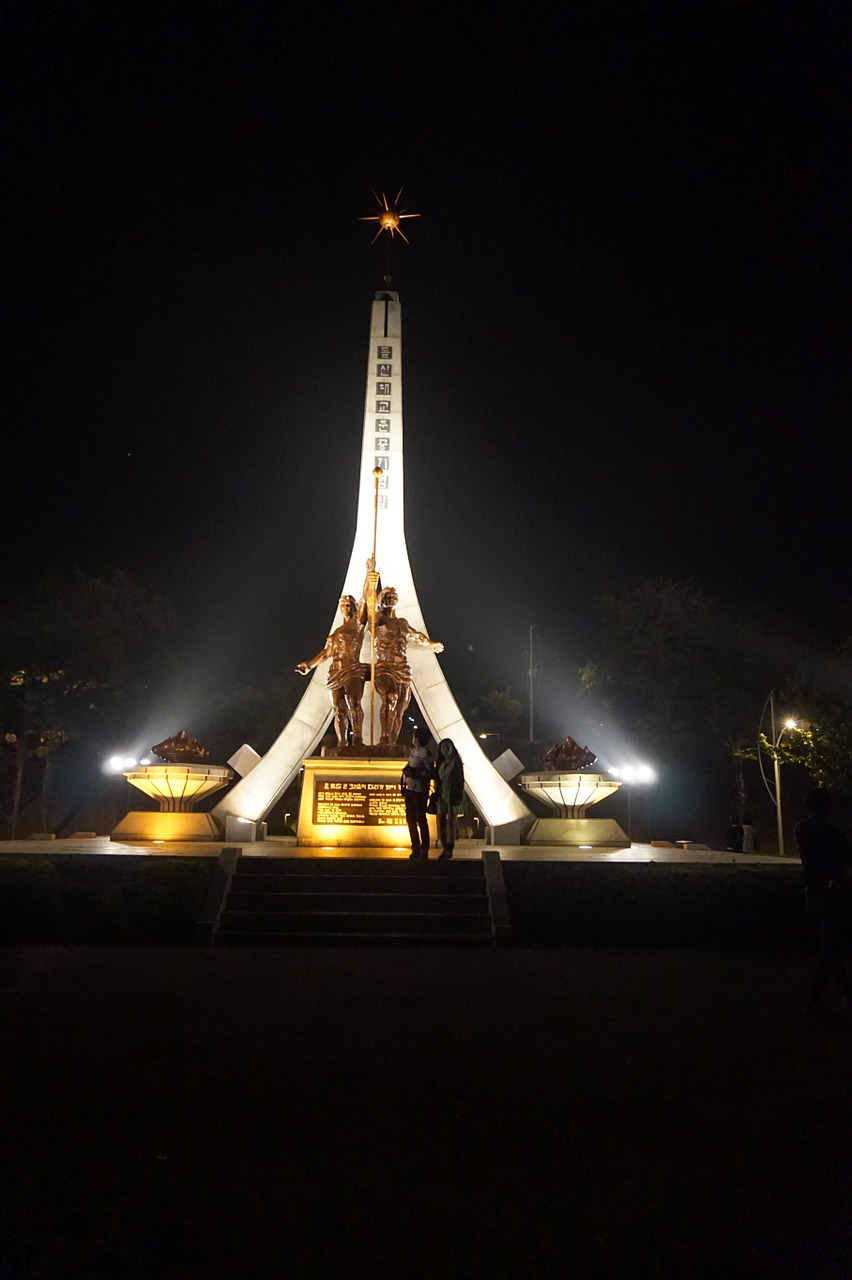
point(349, 803)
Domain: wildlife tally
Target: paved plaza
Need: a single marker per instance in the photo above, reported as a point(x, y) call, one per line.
point(278, 846)
point(180, 1113)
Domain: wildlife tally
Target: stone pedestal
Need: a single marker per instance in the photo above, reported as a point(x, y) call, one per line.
point(178, 788)
point(352, 803)
point(568, 796)
point(577, 833)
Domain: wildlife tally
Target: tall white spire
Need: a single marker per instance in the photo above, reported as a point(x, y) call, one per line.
point(382, 446)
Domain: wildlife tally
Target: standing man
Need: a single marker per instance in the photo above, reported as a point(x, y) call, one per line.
point(825, 854)
point(415, 792)
point(393, 674)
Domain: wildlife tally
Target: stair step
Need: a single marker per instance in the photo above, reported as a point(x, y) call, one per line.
point(355, 902)
point(342, 922)
point(316, 882)
point(262, 864)
point(240, 939)
point(285, 901)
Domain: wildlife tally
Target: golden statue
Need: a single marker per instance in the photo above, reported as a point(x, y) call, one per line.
point(347, 674)
point(392, 673)
point(388, 666)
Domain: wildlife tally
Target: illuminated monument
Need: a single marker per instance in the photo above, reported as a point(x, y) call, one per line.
point(380, 523)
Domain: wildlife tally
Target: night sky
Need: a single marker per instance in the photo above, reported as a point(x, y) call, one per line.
point(625, 312)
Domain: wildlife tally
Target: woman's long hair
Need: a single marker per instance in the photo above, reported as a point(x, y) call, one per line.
point(440, 757)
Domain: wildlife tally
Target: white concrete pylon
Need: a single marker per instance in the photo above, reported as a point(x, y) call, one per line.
point(382, 447)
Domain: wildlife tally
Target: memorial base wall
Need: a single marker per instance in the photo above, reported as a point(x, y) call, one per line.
point(353, 803)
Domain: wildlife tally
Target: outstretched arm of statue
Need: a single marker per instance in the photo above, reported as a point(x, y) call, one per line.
point(305, 668)
point(419, 638)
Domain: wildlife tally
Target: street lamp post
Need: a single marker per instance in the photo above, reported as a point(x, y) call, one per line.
point(776, 736)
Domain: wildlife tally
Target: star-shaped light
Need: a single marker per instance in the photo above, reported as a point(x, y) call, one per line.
point(389, 217)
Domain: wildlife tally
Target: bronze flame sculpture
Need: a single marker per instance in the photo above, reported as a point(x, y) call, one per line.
point(568, 757)
point(181, 749)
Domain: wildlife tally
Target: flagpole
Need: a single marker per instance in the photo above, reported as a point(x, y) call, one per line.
point(377, 472)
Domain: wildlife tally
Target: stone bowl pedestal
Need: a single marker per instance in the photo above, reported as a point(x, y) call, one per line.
point(178, 788)
point(568, 796)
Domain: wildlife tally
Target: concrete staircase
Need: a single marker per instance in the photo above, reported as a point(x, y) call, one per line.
point(351, 901)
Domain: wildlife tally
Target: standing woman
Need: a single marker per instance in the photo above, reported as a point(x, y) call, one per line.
point(449, 795)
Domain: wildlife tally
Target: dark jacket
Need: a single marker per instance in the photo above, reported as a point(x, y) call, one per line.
point(824, 851)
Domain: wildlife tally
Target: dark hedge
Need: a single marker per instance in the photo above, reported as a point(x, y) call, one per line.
point(81, 899)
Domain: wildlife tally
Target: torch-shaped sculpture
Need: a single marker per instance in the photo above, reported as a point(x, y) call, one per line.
point(178, 784)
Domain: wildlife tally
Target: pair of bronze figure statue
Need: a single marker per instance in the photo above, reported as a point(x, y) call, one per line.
point(349, 674)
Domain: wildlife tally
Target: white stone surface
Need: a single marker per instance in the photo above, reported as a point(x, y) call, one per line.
point(508, 765)
point(244, 760)
point(240, 830)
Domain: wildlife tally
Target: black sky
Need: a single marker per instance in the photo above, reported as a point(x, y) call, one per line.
point(625, 309)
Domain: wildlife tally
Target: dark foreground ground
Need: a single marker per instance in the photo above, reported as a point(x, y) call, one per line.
point(191, 1113)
